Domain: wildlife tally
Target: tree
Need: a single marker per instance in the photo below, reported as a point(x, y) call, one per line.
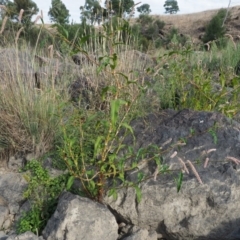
point(4, 2)
point(120, 7)
point(144, 9)
point(92, 11)
point(171, 6)
point(58, 13)
point(215, 29)
point(13, 9)
point(2, 11)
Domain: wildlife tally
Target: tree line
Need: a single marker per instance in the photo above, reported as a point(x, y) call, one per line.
point(91, 12)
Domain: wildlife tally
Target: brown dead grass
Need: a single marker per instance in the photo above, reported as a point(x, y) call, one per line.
point(194, 24)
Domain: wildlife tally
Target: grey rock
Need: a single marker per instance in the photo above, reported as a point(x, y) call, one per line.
point(16, 162)
point(3, 236)
point(142, 234)
point(25, 236)
point(79, 218)
point(4, 213)
point(12, 186)
point(199, 211)
point(82, 89)
point(82, 59)
point(13, 207)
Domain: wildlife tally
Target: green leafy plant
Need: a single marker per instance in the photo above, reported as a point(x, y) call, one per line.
point(212, 131)
point(215, 28)
point(92, 140)
point(42, 193)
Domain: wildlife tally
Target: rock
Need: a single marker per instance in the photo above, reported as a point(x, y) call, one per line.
point(82, 59)
point(82, 89)
point(25, 236)
point(199, 211)
point(12, 186)
point(80, 218)
point(3, 236)
point(141, 234)
point(16, 162)
point(4, 213)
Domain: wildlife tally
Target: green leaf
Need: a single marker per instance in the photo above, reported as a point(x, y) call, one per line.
point(123, 75)
point(69, 182)
point(140, 176)
point(127, 126)
point(179, 181)
point(113, 192)
point(65, 32)
point(114, 169)
point(97, 145)
point(115, 105)
point(83, 40)
point(138, 193)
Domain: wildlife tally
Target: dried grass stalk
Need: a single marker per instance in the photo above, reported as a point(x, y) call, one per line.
point(231, 37)
point(174, 154)
point(50, 48)
point(208, 45)
point(184, 165)
point(37, 18)
point(211, 150)
point(18, 34)
point(233, 159)
point(20, 15)
point(3, 24)
point(155, 174)
point(167, 142)
point(205, 152)
point(206, 162)
point(195, 172)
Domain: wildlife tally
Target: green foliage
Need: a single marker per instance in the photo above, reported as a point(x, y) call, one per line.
point(144, 9)
point(213, 132)
point(31, 221)
point(147, 31)
point(171, 6)
point(58, 12)
point(91, 140)
point(30, 8)
point(215, 28)
point(179, 181)
point(120, 8)
point(174, 40)
point(185, 85)
point(93, 12)
point(42, 193)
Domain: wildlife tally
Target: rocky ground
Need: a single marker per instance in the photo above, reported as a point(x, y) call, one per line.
point(205, 208)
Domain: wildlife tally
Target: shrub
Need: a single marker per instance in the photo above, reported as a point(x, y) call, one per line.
point(42, 193)
point(147, 31)
point(215, 28)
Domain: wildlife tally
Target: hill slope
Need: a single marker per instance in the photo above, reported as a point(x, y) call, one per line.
point(194, 24)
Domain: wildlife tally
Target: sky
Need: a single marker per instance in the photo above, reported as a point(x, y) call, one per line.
point(185, 6)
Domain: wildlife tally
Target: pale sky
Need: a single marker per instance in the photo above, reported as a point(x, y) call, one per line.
point(185, 6)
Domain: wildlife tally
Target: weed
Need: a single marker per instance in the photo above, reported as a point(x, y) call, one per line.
point(42, 193)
